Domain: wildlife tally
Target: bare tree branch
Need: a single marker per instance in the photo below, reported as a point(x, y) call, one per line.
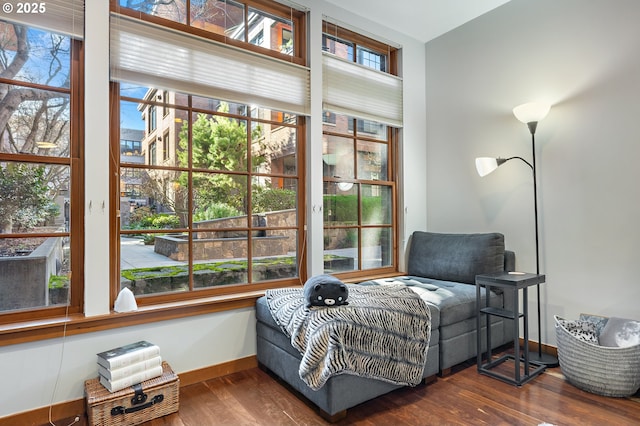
point(22, 53)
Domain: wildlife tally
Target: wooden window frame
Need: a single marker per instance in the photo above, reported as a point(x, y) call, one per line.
point(12, 319)
point(271, 7)
point(202, 293)
point(357, 40)
point(298, 20)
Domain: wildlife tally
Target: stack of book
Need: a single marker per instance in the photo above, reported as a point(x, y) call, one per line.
point(128, 365)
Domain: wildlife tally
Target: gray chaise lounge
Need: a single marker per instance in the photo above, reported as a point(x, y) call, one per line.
point(442, 269)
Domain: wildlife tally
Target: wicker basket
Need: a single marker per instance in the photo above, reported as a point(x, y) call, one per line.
point(131, 406)
point(608, 371)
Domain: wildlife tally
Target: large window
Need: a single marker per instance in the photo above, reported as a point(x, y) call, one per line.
point(40, 172)
point(220, 208)
point(359, 194)
point(253, 24)
point(358, 161)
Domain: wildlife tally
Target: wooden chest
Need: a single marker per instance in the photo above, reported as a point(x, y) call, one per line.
point(134, 405)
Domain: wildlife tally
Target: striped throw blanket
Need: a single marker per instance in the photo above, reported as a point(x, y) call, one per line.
point(383, 333)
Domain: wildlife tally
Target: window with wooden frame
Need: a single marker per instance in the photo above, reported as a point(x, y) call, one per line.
point(224, 212)
point(359, 154)
point(41, 164)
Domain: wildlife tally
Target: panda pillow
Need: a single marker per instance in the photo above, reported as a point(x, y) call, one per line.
point(325, 290)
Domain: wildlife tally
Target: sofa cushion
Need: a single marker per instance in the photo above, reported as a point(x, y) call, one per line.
point(455, 257)
point(450, 301)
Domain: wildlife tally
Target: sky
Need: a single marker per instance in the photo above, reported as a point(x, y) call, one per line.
point(130, 116)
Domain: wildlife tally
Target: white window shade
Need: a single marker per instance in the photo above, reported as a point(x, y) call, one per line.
point(150, 55)
point(58, 16)
point(362, 92)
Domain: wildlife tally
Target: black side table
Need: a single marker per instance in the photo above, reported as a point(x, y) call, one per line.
point(515, 281)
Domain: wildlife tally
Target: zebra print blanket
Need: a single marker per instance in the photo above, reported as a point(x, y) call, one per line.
point(383, 333)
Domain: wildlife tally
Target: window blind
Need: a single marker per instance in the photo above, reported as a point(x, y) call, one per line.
point(151, 55)
point(59, 16)
point(359, 91)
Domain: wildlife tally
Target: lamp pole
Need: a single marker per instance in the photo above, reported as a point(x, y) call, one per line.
point(540, 358)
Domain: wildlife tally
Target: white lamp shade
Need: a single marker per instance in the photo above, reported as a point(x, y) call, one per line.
point(485, 165)
point(531, 112)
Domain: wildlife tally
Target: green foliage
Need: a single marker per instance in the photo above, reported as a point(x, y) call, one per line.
point(226, 265)
point(344, 208)
point(149, 239)
point(219, 143)
point(164, 221)
point(215, 211)
point(24, 198)
point(140, 218)
point(52, 210)
point(58, 281)
point(268, 200)
point(152, 272)
point(144, 218)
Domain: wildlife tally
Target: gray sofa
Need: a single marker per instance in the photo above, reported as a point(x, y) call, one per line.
point(441, 269)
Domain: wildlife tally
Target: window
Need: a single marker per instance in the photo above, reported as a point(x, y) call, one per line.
point(130, 147)
point(165, 147)
point(360, 226)
point(258, 39)
point(359, 192)
point(263, 24)
point(343, 43)
point(286, 41)
point(338, 47)
point(41, 171)
point(152, 121)
point(372, 59)
point(222, 212)
point(165, 96)
point(153, 159)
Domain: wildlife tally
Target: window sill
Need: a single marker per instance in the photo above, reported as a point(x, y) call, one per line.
point(73, 324)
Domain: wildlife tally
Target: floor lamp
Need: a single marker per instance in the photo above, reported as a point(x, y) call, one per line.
point(530, 114)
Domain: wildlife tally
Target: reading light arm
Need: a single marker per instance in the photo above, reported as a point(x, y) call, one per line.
point(487, 165)
point(501, 161)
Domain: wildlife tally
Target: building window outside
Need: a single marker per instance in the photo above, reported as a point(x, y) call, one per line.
point(40, 173)
point(153, 124)
point(286, 43)
point(165, 146)
point(258, 39)
point(165, 109)
point(153, 159)
point(128, 147)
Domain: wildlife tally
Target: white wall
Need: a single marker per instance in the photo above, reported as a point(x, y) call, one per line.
point(582, 57)
point(186, 344)
point(195, 342)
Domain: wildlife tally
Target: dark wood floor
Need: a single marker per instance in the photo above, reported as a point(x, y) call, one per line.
point(255, 397)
